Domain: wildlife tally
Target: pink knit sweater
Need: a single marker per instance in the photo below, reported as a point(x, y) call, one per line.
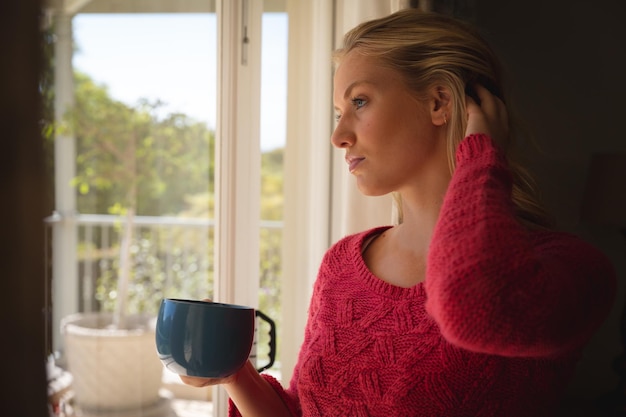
point(495, 329)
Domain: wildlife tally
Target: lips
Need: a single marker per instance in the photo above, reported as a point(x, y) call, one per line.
point(353, 162)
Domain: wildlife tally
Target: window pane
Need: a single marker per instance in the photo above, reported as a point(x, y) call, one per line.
point(143, 124)
point(273, 135)
point(143, 121)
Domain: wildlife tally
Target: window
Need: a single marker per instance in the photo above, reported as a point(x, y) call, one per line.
point(141, 133)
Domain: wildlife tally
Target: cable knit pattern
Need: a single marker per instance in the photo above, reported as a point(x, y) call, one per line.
point(495, 329)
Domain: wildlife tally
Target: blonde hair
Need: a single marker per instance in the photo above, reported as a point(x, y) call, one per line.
point(430, 49)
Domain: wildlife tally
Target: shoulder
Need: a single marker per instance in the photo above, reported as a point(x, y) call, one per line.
point(355, 241)
point(341, 261)
point(347, 250)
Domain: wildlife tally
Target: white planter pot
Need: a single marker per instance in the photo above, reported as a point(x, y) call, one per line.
point(112, 369)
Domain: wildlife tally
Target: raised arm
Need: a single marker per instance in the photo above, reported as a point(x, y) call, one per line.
point(494, 286)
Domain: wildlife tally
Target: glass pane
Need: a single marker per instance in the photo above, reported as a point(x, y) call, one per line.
point(273, 135)
point(144, 121)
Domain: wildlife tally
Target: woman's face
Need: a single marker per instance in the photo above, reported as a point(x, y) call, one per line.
point(390, 139)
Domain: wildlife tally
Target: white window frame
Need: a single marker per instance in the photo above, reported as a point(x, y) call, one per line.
point(307, 169)
point(238, 155)
point(238, 158)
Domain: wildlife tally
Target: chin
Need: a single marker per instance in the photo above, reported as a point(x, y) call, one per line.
point(369, 192)
point(372, 189)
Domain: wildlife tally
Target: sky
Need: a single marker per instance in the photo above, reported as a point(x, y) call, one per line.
point(172, 57)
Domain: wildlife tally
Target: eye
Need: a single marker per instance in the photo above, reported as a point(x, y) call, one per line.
point(358, 102)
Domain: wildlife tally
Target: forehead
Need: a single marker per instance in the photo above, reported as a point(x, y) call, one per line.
point(355, 68)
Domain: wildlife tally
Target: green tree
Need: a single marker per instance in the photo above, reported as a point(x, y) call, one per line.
point(131, 161)
point(129, 157)
point(271, 238)
point(46, 89)
point(272, 185)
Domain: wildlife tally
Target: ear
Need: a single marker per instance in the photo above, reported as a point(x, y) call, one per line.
point(440, 106)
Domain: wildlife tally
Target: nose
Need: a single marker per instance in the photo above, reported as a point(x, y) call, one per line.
point(342, 137)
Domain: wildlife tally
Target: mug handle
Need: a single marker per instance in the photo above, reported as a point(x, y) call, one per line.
point(272, 343)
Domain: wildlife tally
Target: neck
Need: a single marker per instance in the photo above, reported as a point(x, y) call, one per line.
point(421, 204)
point(416, 229)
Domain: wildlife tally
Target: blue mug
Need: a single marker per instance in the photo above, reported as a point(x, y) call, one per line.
point(207, 339)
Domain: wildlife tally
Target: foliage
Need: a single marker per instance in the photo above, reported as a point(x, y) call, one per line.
point(129, 157)
point(166, 264)
point(272, 185)
point(46, 89)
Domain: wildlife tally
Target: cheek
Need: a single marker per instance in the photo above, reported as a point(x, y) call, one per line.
point(413, 146)
point(371, 132)
point(382, 126)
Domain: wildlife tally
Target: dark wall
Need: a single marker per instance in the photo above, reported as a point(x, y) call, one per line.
point(566, 62)
point(22, 210)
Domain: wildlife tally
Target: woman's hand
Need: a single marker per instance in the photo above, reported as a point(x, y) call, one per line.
point(490, 117)
point(199, 382)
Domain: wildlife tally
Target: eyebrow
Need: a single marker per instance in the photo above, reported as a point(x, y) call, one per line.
point(351, 87)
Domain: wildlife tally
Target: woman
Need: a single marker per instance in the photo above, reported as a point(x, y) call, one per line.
point(472, 305)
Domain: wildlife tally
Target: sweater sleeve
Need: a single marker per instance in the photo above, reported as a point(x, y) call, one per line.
point(287, 399)
point(494, 286)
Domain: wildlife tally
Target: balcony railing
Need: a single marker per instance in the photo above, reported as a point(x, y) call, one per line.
point(170, 257)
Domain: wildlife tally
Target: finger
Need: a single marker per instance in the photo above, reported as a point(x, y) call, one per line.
point(485, 96)
point(481, 91)
point(200, 382)
point(470, 103)
point(491, 104)
point(196, 382)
